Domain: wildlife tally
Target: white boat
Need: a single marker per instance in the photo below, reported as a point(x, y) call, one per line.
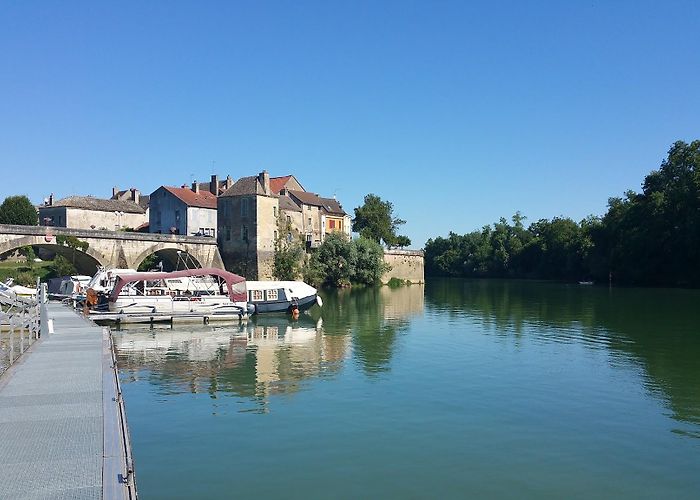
point(211, 293)
point(10, 289)
point(281, 296)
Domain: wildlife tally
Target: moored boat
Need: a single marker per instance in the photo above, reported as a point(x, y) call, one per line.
point(209, 293)
point(281, 296)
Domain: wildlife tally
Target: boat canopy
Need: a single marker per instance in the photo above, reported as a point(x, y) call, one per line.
point(234, 284)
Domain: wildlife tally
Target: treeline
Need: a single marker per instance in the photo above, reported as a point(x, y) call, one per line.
point(647, 238)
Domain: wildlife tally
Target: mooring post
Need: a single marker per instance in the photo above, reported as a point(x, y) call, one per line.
point(43, 312)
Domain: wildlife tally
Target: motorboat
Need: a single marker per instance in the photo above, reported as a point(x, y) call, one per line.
point(211, 293)
point(281, 296)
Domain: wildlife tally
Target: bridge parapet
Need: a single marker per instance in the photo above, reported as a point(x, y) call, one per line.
point(104, 233)
point(112, 248)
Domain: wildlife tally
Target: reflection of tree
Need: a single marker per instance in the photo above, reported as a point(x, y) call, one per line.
point(361, 312)
point(658, 328)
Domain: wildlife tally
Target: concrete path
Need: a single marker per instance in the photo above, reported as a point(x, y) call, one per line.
point(60, 431)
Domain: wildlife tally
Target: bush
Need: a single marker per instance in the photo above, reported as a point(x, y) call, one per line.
point(340, 261)
point(288, 261)
point(62, 267)
point(369, 263)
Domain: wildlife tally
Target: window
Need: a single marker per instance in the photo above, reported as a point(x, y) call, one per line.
point(272, 294)
point(244, 207)
point(331, 224)
point(244, 233)
point(274, 211)
point(310, 224)
point(256, 295)
point(275, 235)
point(177, 215)
point(289, 219)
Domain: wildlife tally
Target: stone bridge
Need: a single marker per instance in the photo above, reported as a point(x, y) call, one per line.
point(113, 248)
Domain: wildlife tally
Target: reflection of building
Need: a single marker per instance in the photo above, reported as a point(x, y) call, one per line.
point(402, 302)
point(267, 356)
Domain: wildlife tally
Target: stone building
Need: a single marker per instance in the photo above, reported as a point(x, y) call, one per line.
point(255, 209)
point(88, 212)
point(183, 210)
point(247, 225)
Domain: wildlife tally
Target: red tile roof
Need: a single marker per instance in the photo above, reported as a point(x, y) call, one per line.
point(277, 183)
point(203, 199)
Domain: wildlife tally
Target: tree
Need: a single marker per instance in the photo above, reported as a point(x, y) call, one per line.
point(18, 210)
point(332, 263)
point(369, 262)
point(375, 221)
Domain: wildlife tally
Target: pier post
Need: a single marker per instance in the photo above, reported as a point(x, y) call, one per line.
point(43, 312)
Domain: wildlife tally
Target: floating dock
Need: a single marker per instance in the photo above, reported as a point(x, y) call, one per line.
point(63, 431)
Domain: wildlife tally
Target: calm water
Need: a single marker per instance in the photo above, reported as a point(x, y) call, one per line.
point(459, 388)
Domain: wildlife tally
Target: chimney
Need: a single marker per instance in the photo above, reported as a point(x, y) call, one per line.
point(195, 187)
point(51, 199)
point(264, 178)
point(135, 195)
point(229, 181)
point(115, 190)
point(214, 185)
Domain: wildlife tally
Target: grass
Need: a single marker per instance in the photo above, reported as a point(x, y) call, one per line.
point(22, 273)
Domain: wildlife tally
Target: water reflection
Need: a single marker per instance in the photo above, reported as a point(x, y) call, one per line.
point(264, 356)
point(272, 354)
point(373, 317)
point(657, 328)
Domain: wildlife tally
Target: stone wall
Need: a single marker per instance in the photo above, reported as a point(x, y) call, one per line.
point(405, 264)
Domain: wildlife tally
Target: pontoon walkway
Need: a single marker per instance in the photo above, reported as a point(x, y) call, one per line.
point(62, 427)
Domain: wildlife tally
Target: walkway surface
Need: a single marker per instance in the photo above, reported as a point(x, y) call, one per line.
point(59, 424)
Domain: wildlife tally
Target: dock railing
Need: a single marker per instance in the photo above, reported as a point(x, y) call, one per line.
point(20, 325)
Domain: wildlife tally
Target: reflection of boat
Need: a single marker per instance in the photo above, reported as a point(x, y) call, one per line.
point(145, 297)
point(281, 296)
point(585, 282)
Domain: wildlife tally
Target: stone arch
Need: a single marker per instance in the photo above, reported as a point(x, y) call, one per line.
point(171, 254)
point(86, 262)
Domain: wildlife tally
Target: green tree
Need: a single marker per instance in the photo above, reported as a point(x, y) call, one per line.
point(29, 255)
point(375, 221)
point(333, 262)
point(369, 263)
point(73, 243)
point(18, 210)
point(62, 267)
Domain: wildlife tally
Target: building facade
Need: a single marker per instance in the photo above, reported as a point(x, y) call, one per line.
point(183, 210)
point(258, 211)
point(88, 212)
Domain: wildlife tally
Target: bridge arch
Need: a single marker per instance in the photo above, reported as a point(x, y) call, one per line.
point(172, 255)
point(86, 262)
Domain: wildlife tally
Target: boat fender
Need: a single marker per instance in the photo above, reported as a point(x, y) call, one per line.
point(319, 301)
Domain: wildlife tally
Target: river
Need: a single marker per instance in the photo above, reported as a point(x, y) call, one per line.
point(498, 389)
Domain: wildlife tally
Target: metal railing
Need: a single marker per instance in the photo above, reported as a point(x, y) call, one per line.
point(20, 326)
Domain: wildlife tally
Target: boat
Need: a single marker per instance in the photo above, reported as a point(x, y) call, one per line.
point(281, 296)
point(585, 282)
point(208, 293)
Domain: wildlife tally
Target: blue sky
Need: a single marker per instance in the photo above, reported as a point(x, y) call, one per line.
point(457, 112)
